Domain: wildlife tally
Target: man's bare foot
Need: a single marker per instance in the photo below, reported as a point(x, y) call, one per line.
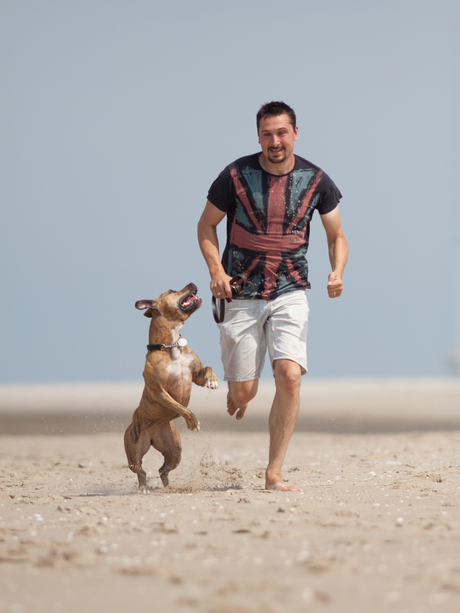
point(233, 407)
point(277, 484)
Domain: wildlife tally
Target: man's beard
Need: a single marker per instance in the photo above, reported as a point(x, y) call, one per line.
point(277, 160)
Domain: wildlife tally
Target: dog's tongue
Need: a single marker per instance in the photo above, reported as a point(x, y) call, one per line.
point(190, 300)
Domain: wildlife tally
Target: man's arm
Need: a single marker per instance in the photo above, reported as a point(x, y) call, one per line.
point(338, 251)
point(209, 245)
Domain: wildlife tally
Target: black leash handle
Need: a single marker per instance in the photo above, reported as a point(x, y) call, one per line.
point(239, 284)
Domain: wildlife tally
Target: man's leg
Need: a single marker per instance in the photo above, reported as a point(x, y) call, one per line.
point(282, 421)
point(240, 393)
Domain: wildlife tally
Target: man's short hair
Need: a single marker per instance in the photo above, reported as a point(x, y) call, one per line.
point(273, 109)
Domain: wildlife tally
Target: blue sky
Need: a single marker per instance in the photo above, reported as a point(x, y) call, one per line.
point(116, 118)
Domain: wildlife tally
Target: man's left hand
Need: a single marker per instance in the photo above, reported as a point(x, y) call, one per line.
point(334, 285)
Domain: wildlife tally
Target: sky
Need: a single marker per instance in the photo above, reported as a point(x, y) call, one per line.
point(116, 117)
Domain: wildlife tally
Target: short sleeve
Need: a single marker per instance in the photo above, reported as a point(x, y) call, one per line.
point(329, 195)
point(221, 193)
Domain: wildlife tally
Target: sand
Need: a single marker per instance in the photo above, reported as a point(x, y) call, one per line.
point(375, 525)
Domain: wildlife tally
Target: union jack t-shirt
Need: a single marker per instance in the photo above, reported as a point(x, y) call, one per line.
point(268, 221)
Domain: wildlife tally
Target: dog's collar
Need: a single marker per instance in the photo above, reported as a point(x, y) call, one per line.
point(182, 342)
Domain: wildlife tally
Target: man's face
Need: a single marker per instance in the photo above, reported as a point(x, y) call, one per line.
point(277, 137)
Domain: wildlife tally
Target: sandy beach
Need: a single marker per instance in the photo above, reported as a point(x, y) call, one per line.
point(375, 525)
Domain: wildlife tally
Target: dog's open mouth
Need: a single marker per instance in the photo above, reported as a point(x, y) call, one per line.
point(190, 302)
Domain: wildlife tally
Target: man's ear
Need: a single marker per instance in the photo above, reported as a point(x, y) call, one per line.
point(146, 304)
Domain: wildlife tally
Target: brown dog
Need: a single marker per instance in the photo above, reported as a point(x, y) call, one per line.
point(170, 369)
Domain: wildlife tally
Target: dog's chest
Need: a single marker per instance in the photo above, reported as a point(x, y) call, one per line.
point(180, 366)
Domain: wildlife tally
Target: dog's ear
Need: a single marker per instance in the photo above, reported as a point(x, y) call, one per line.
point(145, 304)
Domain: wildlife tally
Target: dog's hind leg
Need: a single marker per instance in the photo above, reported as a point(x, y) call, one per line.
point(166, 440)
point(136, 446)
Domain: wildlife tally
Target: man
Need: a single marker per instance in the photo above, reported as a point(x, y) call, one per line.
point(269, 199)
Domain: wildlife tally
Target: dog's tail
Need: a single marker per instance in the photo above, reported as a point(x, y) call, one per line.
point(134, 429)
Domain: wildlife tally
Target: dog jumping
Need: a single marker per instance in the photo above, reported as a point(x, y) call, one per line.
point(171, 367)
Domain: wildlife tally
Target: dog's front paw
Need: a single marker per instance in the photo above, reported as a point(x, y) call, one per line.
point(193, 423)
point(213, 384)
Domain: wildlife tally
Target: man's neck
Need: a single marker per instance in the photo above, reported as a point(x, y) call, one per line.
point(283, 168)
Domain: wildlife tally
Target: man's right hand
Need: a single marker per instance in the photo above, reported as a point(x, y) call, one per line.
point(220, 285)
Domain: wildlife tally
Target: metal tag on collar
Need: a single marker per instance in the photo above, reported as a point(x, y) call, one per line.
point(182, 342)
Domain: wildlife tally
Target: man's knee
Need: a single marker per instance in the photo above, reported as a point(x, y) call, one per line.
point(243, 391)
point(288, 375)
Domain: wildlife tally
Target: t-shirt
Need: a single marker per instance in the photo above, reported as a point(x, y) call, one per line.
point(268, 221)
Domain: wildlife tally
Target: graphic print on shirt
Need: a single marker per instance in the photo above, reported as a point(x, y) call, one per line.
point(269, 228)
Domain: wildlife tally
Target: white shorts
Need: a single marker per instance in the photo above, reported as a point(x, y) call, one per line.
point(250, 326)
